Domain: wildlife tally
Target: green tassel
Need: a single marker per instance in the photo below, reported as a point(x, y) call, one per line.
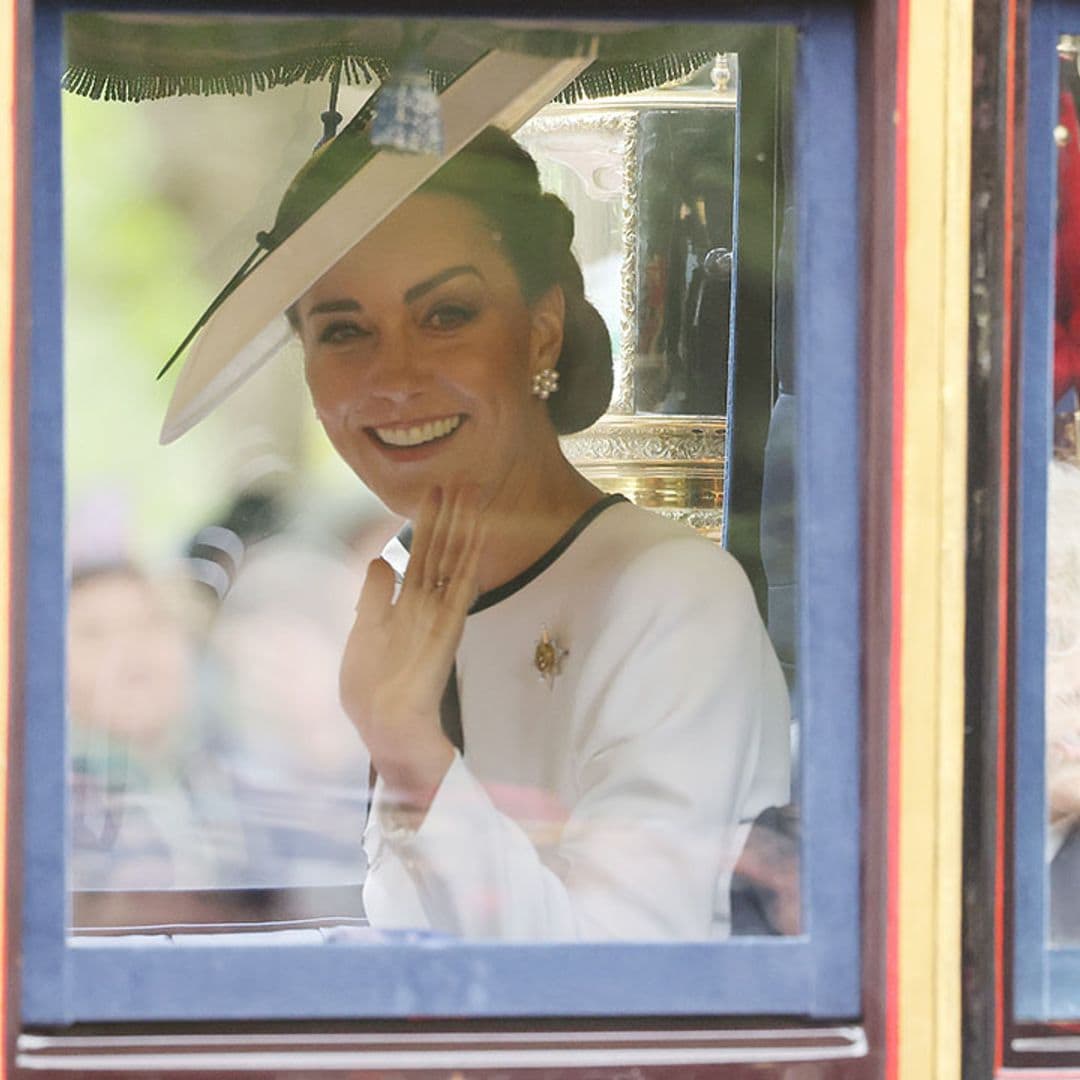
point(613, 80)
point(99, 84)
point(602, 79)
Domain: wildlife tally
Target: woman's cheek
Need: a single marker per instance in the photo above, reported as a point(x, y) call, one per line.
point(332, 393)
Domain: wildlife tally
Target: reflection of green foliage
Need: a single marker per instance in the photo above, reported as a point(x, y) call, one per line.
point(129, 297)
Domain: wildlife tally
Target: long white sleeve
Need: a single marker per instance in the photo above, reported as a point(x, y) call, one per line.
point(676, 735)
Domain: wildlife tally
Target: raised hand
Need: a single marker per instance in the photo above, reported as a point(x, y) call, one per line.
point(400, 654)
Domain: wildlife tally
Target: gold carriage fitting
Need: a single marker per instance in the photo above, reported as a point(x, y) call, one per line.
point(671, 464)
point(650, 178)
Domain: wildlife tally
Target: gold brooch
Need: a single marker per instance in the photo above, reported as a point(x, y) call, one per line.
point(548, 657)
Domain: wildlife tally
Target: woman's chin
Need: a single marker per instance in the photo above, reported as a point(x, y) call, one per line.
point(405, 497)
point(402, 477)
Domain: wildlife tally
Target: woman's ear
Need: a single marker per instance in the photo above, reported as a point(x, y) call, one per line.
point(548, 314)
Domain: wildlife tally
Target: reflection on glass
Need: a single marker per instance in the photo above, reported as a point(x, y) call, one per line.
point(130, 679)
point(1063, 531)
point(603, 744)
point(649, 178)
point(685, 252)
point(1063, 697)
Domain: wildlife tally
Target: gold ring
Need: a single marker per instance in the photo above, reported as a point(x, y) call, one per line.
point(441, 583)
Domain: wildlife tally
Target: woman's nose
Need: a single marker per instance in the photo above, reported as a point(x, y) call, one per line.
point(397, 372)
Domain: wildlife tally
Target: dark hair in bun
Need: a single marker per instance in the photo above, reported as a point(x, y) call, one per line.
point(498, 177)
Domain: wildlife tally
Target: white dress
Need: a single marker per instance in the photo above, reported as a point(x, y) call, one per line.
point(610, 801)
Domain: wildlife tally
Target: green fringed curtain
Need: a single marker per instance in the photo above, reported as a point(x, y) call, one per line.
point(140, 58)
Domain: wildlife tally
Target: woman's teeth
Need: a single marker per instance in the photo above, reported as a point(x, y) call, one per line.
point(420, 433)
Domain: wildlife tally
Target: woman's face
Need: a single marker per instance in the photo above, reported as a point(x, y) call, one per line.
point(419, 350)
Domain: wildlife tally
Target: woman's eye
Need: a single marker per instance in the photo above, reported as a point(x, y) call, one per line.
point(450, 316)
point(337, 333)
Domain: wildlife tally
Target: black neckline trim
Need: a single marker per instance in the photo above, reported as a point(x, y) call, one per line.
point(519, 581)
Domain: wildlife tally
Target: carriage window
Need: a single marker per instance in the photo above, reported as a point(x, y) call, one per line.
point(1047, 727)
point(551, 380)
point(215, 774)
point(1062, 531)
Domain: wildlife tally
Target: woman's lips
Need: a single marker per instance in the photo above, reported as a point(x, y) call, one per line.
point(415, 435)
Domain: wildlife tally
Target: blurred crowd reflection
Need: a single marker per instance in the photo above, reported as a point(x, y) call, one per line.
point(209, 753)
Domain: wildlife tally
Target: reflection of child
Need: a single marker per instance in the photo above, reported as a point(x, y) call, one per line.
point(129, 677)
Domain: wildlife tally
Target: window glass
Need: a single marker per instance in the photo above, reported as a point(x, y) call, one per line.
point(628, 695)
point(623, 689)
point(1063, 533)
point(1046, 959)
point(213, 582)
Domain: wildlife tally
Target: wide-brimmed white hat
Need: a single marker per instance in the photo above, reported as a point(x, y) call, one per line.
point(246, 324)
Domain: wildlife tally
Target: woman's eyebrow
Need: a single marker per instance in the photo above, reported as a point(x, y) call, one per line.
point(327, 307)
point(436, 280)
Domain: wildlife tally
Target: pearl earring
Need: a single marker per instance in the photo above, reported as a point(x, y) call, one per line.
point(545, 383)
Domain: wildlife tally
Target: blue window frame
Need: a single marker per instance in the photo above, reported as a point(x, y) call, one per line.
point(817, 974)
point(1046, 977)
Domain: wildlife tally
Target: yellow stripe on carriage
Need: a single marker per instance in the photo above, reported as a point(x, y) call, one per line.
point(933, 537)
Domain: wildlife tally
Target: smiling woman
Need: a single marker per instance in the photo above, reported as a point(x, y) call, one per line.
point(572, 706)
point(457, 310)
point(432, 341)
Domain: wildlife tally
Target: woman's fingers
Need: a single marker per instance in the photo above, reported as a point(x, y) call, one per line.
point(440, 583)
point(442, 537)
point(448, 605)
point(419, 549)
point(454, 530)
point(468, 570)
point(399, 655)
